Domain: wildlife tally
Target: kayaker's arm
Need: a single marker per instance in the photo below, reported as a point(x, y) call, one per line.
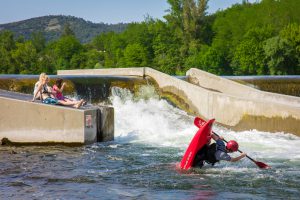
point(238, 158)
point(216, 137)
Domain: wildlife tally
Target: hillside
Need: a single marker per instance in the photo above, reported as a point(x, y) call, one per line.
point(52, 27)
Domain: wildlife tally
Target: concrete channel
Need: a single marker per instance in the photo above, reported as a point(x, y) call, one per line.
point(233, 105)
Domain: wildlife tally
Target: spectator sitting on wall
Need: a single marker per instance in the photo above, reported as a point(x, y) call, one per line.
point(58, 89)
point(36, 85)
point(47, 97)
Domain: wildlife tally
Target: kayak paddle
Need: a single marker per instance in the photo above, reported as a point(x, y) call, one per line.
point(200, 122)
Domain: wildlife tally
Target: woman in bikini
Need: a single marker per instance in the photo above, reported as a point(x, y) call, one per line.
point(47, 97)
point(36, 85)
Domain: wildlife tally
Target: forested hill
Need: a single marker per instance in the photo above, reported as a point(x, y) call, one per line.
point(52, 27)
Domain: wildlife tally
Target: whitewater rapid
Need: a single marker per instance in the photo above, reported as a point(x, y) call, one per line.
point(147, 119)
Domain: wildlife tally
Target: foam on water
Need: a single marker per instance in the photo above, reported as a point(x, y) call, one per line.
point(155, 122)
point(151, 121)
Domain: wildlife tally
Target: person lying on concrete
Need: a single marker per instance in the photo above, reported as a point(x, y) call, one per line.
point(36, 85)
point(47, 96)
point(216, 152)
point(58, 89)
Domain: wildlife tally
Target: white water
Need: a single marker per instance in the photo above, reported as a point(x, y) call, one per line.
point(157, 123)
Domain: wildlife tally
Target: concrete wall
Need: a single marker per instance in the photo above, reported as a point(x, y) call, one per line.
point(235, 106)
point(223, 85)
point(105, 125)
point(27, 122)
point(256, 111)
point(137, 71)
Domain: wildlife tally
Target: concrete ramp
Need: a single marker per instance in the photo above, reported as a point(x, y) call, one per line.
point(226, 86)
point(233, 105)
point(28, 122)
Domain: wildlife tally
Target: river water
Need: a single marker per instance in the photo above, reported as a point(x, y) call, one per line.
point(141, 163)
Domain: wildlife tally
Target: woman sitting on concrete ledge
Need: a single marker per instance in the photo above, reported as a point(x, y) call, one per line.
point(36, 85)
point(46, 94)
point(58, 89)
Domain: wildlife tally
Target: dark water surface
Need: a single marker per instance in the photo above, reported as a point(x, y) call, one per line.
point(92, 172)
point(134, 171)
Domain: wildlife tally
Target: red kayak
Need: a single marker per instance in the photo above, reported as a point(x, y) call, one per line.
point(201, 138)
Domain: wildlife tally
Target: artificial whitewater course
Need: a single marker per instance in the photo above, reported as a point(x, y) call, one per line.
point(151, 136)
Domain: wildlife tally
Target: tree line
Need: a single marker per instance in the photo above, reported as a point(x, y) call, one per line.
point(247, 39)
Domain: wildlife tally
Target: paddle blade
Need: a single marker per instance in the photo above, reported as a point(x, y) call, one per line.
point(262, 165)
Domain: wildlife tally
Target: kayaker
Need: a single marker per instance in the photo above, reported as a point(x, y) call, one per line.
point(217, 151)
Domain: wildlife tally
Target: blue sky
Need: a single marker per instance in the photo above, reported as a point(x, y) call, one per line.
point(107, 11)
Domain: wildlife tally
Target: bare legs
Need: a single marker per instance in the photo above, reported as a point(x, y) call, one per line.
point(79, 103)
point(75, 104)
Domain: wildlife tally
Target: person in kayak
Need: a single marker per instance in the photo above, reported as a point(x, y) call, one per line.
point(217, 151)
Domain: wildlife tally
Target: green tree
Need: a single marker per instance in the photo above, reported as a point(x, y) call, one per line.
point(166, 47)
point(213, 60)
point(140, 34)
point(110, 45)
point(7, 40)
point(174, 18)
point(249, 57)
point(135, 55)
point(5, 60)
point(277, 55)
point(78, 60)
point(38, 40)
point(46, 63)
point(187, 18)
point(283, 51)
point(291, 33)
point(7, 44)
point(64, 49)
point(25, 58)
point(95, 59)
